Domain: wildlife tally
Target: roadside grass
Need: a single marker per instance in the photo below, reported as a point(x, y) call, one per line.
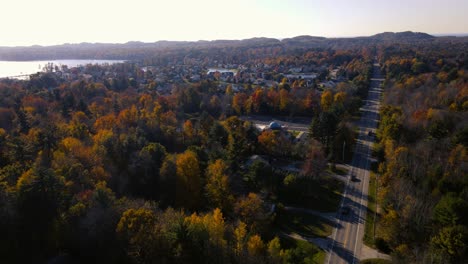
point(306, 225)
point(322, 195)
point(294, 133)
point(304, 252)
point(371, 211)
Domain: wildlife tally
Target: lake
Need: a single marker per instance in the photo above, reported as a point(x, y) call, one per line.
point(221, 70)
point(15, 68)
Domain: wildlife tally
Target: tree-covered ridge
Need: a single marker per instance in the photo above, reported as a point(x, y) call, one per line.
point(135, 50)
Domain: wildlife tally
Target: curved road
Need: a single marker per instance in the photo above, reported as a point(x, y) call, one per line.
point(346, 243)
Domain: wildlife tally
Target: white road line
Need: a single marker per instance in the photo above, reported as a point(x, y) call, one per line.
point(366, 171)
point(360, 203)
point(360, 146)
point(353, 169)
point(339, 214)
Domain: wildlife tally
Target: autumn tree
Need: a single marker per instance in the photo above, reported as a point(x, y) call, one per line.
point(206, 236)
point(136, 228)
point(255, 246)
point(40, 200)
point(284, 100)
point(323, 128)
point(217, 185)
point(168, 179)
point(326, 100)
point(239, 102)
point(450, 245)
point(275, 142)
point(315, 162)
point(188, 184)
point(144, 179)
point(240, 238)
point(274, 250)
point(250, 210)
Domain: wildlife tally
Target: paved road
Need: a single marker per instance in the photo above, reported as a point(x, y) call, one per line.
point(346, 243)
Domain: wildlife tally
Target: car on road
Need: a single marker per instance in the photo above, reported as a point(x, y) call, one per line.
point(354, 178)
point(370, 133)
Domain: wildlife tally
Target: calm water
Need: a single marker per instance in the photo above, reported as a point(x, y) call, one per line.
point(14, 68)
point(221, 70)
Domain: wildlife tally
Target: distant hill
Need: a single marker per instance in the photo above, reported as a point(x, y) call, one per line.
point(402, 36)
point(136, 50)
point(303, 39)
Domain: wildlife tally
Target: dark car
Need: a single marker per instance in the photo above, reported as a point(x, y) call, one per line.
point(370, 133)
point(354, 178)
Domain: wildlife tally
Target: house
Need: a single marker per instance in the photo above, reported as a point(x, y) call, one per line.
point(296, 70)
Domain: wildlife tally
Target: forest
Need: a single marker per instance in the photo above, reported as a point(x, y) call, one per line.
point(422, 154)
point(132, 169)
point(121, 170)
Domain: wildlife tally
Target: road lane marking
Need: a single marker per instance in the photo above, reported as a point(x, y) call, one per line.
point(366, 171)
point(357, 156)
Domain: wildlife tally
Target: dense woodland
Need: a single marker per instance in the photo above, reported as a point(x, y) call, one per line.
point(423, 139)
point(113, 171)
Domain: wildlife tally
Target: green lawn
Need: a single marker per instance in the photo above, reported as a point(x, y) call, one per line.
point(322, 195)
point(303, 251)
point(294, 133)
point(371, 209)
point(306, 225)
point(319, 257)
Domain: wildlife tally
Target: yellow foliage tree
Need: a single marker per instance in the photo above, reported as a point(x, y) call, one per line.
point(255, 245)
point(188, 183)
point(284, 99)
point(250, 209)
point(217, 185)
point(339, 98)
point(136, 227)
point(240, 234)
point(188, 130)
point(326, 100)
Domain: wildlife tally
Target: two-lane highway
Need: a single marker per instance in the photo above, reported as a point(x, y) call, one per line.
point(346, 243)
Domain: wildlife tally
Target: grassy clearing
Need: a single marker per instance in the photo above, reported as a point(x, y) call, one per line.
point(319, 257)
point(322, 195)
point(294, 133)
point(303, 251)
point(306, 225)
point(371, 210)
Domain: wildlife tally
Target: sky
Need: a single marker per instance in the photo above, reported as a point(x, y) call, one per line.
point(52, 22)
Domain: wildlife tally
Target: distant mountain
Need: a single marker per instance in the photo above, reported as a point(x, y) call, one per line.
point(304, 38)
point(136, 50)
point(402, 36)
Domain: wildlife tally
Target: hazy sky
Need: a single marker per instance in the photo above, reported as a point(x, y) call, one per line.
point(48, 22)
